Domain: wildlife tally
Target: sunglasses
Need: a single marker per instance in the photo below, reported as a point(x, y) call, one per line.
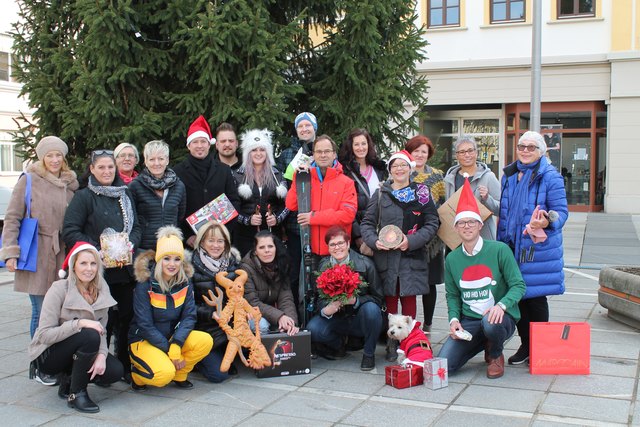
point(529, 148)
point(100, 153)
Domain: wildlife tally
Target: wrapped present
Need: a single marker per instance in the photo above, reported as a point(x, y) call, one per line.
point(435, 373)
point(116, 249)
point(399, 376)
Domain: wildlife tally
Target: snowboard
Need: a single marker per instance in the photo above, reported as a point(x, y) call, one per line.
point(305, 291)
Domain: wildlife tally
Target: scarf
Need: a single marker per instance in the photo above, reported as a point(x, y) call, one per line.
point(168, 180)
point(411, 199)
point(200, 166)
point(127, 179)
point(213, 265)
point(116, 193)
point(518, 191)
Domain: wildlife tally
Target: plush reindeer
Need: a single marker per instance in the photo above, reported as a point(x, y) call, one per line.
point(240, 336)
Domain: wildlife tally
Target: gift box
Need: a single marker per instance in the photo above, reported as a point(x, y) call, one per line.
point(399, 376)
point(115, 249)
point(435, 373)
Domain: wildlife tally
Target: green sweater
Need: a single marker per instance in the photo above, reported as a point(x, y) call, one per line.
point(476, 283)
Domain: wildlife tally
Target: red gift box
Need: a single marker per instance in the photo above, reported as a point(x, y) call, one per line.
point(399, 376)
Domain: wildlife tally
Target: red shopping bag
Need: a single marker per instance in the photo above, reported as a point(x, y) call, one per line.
point(560, 348)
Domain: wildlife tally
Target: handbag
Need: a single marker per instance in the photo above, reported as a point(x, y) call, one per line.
point(560, 348)
point(28, 235)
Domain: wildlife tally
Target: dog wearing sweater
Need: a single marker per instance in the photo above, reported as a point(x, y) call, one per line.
point(414, 346)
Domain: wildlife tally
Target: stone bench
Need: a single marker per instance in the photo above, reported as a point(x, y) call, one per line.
point(620, 293)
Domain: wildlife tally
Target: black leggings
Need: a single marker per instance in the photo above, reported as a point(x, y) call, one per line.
point(119, 320)
point(531, 310)
point(59, 357)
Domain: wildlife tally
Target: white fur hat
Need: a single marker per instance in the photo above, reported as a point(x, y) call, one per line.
point(256, 138)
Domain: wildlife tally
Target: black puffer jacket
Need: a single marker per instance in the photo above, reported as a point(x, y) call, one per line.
point(86, 218)
point(204, 280)
point(153, 213)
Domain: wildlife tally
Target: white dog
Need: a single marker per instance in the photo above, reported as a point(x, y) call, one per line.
point(414, 347)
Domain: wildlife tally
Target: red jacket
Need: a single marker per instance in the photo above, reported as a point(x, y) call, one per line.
point(333, 202)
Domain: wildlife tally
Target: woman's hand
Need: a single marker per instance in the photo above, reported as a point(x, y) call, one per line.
point(404, 245)
point(286, 324)
point(380, 246)
point(256, 219)
point(483, 192)
point(332, 308)
point(91, 324)
point(539, 218)
point(271, 220)
point(179, 364)
point(98, 367)
point(11, 264)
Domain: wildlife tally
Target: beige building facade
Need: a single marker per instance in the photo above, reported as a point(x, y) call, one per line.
point(480, 84)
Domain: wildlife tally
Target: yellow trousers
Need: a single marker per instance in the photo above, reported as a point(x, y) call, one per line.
point(152, 366)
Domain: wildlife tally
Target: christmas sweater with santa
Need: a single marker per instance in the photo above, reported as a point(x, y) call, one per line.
point(476, 283)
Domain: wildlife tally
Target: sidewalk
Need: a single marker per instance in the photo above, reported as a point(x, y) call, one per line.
point(338, 393)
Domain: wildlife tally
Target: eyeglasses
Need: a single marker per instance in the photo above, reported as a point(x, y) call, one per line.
point(100, 153)
point(323, 152)
point(529, 148)
point(464, 152)
point(464, 224)
point(338, 244)
point(400, 166)
point(126, 156)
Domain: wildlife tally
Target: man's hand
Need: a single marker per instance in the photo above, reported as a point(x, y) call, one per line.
point(496, 313)
point(304, 218)
point(453, 327)
point(286, 324)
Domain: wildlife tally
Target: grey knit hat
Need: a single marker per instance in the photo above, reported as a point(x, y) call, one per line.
point(51, 143)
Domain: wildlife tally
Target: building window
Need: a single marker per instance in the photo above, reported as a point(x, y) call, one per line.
point(4, 66)
point(442, 13)
point(507, 11)
point(10, 161)
point(576, 8)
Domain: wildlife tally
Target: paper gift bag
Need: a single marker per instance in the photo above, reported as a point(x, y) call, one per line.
point(447, 213)
point(560, 348)
point(399, 376)
point(435, 373)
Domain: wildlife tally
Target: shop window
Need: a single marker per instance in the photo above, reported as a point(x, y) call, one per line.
point(443, 13)
point(507, 11)
point(576, 8)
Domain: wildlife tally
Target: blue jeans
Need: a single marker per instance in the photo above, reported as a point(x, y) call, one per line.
point(458, 352)
point(264, 326)
point(209, 367)
point(366, 323)
point(36, 307)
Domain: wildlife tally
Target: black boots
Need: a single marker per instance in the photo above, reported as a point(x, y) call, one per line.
point(65, 384)
point(78, 397)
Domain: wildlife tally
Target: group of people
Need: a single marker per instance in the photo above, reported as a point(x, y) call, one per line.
point(152, 306)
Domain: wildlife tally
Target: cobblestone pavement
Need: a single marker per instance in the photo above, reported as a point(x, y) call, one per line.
point(338, 393)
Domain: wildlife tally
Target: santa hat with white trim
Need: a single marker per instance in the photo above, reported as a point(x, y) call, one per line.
point(199, 129)
point(467, 204)
point(71, 256)
point(402, 155)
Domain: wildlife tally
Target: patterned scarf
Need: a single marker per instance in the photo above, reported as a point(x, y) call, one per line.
point(213, 265)
point(411, 199)
point(168, 180)
point(116, 193)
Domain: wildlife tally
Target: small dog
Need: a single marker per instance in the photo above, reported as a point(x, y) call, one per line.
point(414, 347)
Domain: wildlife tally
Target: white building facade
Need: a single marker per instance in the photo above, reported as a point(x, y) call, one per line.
point(480, 84)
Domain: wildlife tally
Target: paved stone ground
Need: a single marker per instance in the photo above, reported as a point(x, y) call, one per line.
point(337, 393)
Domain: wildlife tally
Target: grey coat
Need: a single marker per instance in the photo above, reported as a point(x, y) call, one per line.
point(410, 266)
point(483, 176)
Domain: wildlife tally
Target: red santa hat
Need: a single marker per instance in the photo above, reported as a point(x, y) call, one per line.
point(71, 256)
point(199, 129)
point(467, 205)
point(477, 276)
point(402, 155)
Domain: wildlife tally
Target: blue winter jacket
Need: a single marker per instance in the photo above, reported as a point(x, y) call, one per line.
point(159, 317)
point(541, 263)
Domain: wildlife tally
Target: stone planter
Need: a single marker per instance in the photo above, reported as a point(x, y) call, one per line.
point(620, 293)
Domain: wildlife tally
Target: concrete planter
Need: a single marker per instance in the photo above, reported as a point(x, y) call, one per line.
point(620, 293)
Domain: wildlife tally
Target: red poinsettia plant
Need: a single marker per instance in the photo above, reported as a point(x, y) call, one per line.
point(339, 283)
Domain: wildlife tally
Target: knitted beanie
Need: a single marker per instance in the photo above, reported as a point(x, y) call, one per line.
point(124, 145)
point(51, 143)
point(306, 116)
point(169, 242)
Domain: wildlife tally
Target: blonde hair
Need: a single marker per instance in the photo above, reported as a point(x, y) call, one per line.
point(95, 285)
point(179, 278)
